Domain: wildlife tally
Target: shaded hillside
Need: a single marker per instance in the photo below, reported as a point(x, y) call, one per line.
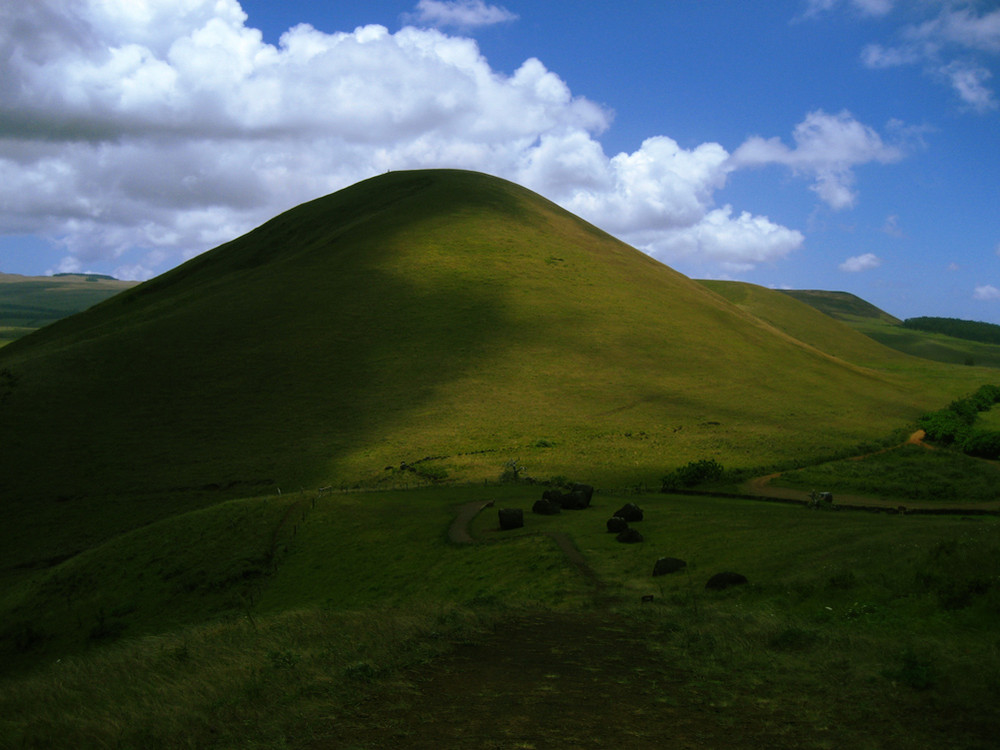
point(31, 302)
point(432, 314)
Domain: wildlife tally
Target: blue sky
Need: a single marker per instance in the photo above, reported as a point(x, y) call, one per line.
point(815, 144)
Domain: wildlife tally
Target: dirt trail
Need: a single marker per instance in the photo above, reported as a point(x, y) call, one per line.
point(557, 680)
point(458, 533)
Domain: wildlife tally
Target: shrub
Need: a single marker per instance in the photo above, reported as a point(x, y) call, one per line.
point(982, 445)
point(512, 471)
point(945, 426)
point(694, 473)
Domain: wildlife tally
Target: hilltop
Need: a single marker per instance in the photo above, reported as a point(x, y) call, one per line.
point(841, 305)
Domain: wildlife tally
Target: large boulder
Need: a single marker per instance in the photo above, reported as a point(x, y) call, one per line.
point(724, 580)
point(511, 518)
point(575, 500)
point(586, 489)
point(546, 507)
point(667, 565)
point(617, 525)
point(630, 512)
point(629, 536)
point(553, 496)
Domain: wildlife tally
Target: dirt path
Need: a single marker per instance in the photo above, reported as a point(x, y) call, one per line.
point(458, 532)
point(556, 680)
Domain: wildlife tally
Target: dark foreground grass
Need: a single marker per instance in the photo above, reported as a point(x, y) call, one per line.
point(855, 630)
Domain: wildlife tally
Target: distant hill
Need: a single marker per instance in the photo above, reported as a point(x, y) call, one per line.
point(939, 339)
point(31, 302)
point(970, 330)
point(441, 317)
point(840, 305)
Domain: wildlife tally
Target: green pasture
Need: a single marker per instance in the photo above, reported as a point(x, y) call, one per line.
point(175, 639)
point(28, 303)
point(908, 474)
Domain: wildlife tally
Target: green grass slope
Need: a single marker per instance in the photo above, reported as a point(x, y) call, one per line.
point(28, 303)
point(823, 328)
point(886, 329)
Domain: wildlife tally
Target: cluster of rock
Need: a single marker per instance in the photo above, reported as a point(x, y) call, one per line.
point(553, 501)
point(619, 524)
point(578, 497)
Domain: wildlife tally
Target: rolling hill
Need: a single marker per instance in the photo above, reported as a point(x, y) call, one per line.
point(28, 303)
point(427, 314)
point(888, 330)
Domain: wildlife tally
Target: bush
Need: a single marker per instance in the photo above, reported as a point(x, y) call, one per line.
point(945, 426)
point(982, 445)
point(694, 473)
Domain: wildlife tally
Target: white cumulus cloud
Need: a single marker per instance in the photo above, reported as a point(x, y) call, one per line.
point(986, 292)
point(462, 14)
point(859, 263)
point(827, 148)
point(955, 47)
point(142, 133)
point(866, 7)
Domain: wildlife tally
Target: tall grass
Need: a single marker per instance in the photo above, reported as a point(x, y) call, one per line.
point(251, 682)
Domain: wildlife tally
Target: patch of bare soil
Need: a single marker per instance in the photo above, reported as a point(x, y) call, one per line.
point(556, 680)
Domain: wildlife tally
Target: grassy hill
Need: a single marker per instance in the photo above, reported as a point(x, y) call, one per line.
point(165, 580)
point(28, 303)
point(426, 314)
point(886, 329)
point(438, 315)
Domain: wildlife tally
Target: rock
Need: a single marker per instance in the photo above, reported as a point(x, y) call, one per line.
point(629, 536)
point(721, 581)
point(616, 525)
point(546, 507)
point(575, 500)
point(553, 496)
point(630, 512)
point(666, 565)
point(587, 491)
point(511, 518)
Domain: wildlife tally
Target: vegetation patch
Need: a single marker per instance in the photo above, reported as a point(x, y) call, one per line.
point(907, 473)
